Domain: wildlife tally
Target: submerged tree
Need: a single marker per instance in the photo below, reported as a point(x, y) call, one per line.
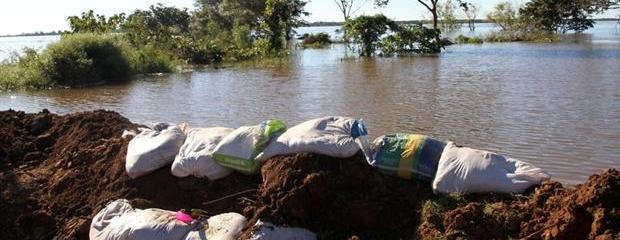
point(504, 15)
point(447, 14)
point(280, 17)
point(367, 31)
point(563, 15)
point(430, 5)
point(470, 10)
point(347, 8)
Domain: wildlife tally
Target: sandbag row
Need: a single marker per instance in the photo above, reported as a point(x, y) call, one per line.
point(119, 220)
point(215, 152)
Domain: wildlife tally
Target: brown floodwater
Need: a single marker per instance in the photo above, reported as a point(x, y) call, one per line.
point(555, 105)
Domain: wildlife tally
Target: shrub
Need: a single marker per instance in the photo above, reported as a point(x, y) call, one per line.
point(412, 39)
point(83, 59)
point(461, 39)
point(316, 40)
point(150, 59)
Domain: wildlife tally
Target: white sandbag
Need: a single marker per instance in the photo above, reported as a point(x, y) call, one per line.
point(238, 150)
point(225, 226)
point(467, 170)
point(331, 136)
point(153, 148)
point(118, 220)
point(195, 156)
point(268, 231)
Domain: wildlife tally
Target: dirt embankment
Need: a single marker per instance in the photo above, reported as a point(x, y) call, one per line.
point(57, 172)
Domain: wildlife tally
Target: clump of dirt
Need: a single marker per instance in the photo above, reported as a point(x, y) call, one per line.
point(57, 172)
point(338, 198)
point(587, 211)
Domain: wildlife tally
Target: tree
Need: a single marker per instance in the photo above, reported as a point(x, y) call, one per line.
point(346, 7)
point(367, 30)
point(471, 11)
point(563, 15)
point(446, 12)
point(91, 23)
point(159, 25)
point(504, 15)
point(279, 19)
point(430, 5)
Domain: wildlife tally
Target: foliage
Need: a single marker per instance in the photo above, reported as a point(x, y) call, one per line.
point(150, 59)
point(563, 15)
point(77, 59)
point(504, 15)
point(316, 40)
point(367, 30)
point(471, 11)
point(412, 39)
point(279, 19)
point(447, 15)
point(91, 23)
point(461, 39)
point(82, 59)
point(159, 25)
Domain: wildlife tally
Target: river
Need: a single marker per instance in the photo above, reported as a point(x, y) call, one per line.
point(555, 105)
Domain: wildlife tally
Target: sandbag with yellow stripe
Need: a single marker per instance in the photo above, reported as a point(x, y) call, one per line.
point(407, 156)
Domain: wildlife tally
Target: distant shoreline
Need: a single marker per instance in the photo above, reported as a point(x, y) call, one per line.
point(312, 24)
point(329, 24)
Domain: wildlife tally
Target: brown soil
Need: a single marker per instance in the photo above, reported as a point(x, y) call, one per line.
point(57, 172)
point(338, 198)
point(587, 211)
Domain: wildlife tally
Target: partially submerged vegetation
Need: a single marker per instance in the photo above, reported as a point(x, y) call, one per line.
point(315, 40)
point(159, 39)
point(462, 39)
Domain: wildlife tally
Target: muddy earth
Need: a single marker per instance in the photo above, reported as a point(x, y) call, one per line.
point(57, 172)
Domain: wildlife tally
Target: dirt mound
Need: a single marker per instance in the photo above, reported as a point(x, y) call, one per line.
point(338, 198)
point(57, 172)
point(587, 211)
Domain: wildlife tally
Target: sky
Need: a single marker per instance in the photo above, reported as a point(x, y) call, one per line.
point(23, 16)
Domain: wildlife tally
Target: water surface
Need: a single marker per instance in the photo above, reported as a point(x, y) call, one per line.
point(555, 105)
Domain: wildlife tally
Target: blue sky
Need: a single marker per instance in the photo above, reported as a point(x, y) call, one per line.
point(18, 16)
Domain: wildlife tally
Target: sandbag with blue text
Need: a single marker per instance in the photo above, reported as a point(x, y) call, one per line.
point(238, 150)
point(467, 170)
point(195, 156)
point(331, 136)
point(407, 155)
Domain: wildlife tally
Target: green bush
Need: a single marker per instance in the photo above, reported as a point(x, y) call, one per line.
point(316, 40)
point(83, 59)
point(462, 39)
point(412, 39)
point(150, 59)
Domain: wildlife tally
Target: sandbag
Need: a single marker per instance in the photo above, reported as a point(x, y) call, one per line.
point(153, 148)
point(225, 226)
point(467, 170)
point(118, 220)
point(407, 155)
point(331, 136)
point(195, 156)
point(268, 231)
point(238, 150)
